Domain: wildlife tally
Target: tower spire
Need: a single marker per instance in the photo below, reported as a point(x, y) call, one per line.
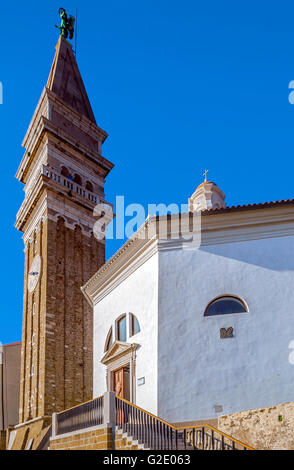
point(66, 82)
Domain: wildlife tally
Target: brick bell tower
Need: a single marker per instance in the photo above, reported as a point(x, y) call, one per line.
point(64, 174)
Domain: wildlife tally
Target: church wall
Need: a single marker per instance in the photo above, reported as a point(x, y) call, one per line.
point(136, 294)
point(201, 376)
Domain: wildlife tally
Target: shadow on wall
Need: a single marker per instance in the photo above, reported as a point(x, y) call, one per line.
point(273, 254)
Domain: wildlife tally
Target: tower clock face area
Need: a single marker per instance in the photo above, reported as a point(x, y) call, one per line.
point(34, 273)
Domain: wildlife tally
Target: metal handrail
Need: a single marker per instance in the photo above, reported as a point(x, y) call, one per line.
point(83, 416)
point(158, 434)
point(146, 428)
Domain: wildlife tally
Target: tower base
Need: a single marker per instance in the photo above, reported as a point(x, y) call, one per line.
point(28, 436)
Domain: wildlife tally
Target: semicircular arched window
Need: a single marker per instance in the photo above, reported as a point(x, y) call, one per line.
point(109, 340)
point(134, 325)
point(225, 305)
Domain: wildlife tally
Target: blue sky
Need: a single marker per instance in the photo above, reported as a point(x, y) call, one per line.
point(179, 87)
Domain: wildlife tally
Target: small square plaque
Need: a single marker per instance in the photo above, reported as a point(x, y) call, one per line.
point(227, 332)
point(141, 381)
point(218, 408)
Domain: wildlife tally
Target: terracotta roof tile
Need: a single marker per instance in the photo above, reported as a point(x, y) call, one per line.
point(261, 205)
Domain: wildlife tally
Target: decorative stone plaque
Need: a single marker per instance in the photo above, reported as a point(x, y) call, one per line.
point(227, 332)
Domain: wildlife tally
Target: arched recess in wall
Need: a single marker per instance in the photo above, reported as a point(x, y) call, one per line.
point(78, 227)
point(226, 304)
point(78, 179)
point(89, 187)
point(65, 172)
point(60, 220)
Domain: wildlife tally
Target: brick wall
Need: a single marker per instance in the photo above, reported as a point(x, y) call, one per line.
point(24, 433)
point(99, 438)
point(264, 428)
point(93, 439)
point(57, 352)
point(2, 440)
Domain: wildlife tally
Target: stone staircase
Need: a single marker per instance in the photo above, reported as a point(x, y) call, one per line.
point(123, 441)
point(137, 427)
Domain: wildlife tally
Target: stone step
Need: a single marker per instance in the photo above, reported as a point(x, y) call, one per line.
point(130, 441)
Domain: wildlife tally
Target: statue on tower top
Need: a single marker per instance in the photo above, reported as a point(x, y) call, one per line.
point(67, 24)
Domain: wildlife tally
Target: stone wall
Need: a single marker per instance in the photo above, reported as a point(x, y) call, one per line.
point(124, 443)
point(264, 428)
point(99, 438)
point(24, 433)
point(2, 440)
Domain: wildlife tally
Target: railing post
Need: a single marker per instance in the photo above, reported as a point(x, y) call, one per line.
point(109, 412)
point(54, 425)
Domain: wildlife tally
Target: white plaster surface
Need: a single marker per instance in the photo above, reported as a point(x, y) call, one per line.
point(138, 295)
point(189, 371)
point(196, 369)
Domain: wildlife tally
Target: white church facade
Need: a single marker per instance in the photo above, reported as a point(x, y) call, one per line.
point(192, 331)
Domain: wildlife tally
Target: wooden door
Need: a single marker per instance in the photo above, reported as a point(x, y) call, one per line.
point(118, 384)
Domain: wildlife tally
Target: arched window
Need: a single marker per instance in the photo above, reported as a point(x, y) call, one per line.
point(65, 172)
point(109, 340)
point(225, 305)
point(89, 186)
point(134, 325)
point(78, 179)
point(120, 331)
point(121, 328)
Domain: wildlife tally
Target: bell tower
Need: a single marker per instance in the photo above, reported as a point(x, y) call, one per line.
point(64, 172)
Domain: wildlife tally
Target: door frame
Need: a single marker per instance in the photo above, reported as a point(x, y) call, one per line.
point(121, 355)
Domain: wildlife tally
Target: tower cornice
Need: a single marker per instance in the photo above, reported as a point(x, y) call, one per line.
point(48, 180)
point(42, 122)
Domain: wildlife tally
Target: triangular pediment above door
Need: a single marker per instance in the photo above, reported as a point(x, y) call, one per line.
point(117, 350)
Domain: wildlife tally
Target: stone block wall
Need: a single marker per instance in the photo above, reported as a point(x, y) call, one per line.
point(24, 433)
point(264, 428)
point(124, 443)
point(99, 438)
